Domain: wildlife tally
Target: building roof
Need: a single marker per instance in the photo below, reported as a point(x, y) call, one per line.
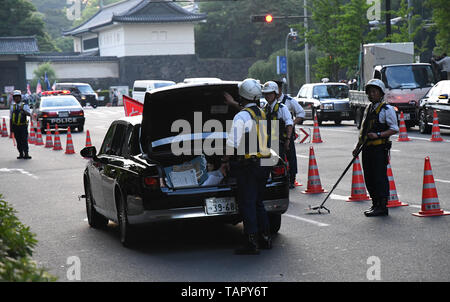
point(70, 57)
point(18, 45)
point(136, 11)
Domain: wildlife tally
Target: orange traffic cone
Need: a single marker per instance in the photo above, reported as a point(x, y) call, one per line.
point(393, 197)
point(48, 138)
point(4, 129)
point(403, 135)
point(32, 137)
point(39, 141)
point(430, 200)
point(316, 132)
point(314, 185)
point(359, 192)
point(88, 139)
point(69, 143)
point(57, 146)
point(435, 132)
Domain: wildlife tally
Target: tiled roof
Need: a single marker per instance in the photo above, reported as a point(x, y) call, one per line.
point(137, 11)
point(18, 45)
point(69, 57)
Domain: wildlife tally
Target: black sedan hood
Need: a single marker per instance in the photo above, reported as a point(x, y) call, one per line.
point(185, 109)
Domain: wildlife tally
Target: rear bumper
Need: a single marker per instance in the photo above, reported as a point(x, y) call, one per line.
point(327, 115)
point(62, 122)
point(199, 212)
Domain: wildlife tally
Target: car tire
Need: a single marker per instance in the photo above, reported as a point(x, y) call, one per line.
point(80, 128)
point(126, 232)
point(95, 219)
point(274, 222)
point(424, 128)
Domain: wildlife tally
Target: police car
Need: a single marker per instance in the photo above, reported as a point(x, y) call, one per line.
point(58, 108)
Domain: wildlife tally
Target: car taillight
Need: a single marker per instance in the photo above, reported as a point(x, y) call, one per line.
point(77, 113)
point(49, 114)
point(278, 171)
point(151, 182)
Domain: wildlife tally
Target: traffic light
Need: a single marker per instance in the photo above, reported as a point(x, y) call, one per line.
point(267, 18)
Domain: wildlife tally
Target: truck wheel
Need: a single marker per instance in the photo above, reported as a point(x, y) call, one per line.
point(424, 128)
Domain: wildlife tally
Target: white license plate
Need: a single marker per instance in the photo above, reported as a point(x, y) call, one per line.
point(63, 114)
point(224, 205)
point(346, 114)
point(63, 120)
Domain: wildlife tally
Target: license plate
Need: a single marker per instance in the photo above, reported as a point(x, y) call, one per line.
point(346, 114)
point(63, 114)
point(63, 120)
point(224, 205)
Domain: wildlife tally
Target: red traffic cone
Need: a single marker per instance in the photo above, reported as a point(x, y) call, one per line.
point(403, 135)
point(39, 141)
point(69, 143)
point(88, 139)
point(32, 137)
point(430, 200)
point(4, 129)
point(314, 185)
point(393, 197)
point(316, 132)
point(359, 192)
point(435, 131)
point(48, 138)
point(57, 146)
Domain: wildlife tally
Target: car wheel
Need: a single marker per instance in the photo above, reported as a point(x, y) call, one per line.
point(80, 128)
point(274, 222)
point(125, 229)
point(95, 220)
point(424, 128)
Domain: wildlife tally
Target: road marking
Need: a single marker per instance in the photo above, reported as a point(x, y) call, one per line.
point(302, 156)
point(442, 180)
point(415, 206)
point(306, 220)
point(338, 197)
point(18, 170)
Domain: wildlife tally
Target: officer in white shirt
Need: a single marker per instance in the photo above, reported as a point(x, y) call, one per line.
point(298, 114)
point(19, 124)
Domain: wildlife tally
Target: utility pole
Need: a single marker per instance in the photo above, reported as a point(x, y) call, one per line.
point(388, 20)
point(305, 21)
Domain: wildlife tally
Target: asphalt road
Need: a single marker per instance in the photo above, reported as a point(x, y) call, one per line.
point(341, 246)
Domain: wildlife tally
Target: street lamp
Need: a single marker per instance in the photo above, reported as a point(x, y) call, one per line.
point(291, 33)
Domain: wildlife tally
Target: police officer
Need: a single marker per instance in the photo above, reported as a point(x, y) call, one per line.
point(245, 165)
point(19, 124)
point(277, 112)
point(379, 123)
point(298, 114)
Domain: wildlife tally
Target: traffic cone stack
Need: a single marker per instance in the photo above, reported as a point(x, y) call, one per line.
point(314, 185)
point(435, 131)
point(316, 132)
point(359, 192)
point(69, 143)
point(39, 141)
point(393, 197)
point(57, 146)
point(32, 137)
point(4, 129)
point(88, 139)
point(48, 138)
point(430, 200)
point(403, 135)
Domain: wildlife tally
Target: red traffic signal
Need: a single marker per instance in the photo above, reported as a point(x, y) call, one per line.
point(267, 18)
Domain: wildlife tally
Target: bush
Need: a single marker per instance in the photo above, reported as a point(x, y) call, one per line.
point(16, 249)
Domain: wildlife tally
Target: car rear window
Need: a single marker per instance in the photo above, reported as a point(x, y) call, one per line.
point(59, 102)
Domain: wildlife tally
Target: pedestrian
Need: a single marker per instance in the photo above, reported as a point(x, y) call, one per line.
point(276, 111)
point(379, 123)
point(444, 64)
point(297, 114)
point(245, 166)
point(115, 97)
point(19, 124)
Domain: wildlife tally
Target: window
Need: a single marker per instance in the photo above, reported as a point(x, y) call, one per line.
point(107, 142)
point(408, 76)
point(90, 43)
point(118, 140)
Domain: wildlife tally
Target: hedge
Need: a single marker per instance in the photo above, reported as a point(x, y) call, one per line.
point(16, 249)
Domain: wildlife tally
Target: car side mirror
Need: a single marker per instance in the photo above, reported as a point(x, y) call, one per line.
point(89, 152)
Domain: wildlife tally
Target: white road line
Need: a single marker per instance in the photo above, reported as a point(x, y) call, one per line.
point(414, 206)
point(302, 156)
point(22, 171)
point(442, 180)
point(306, 220)
point(338, 197)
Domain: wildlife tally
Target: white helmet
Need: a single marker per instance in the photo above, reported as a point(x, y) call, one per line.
point(17, 92)
point(250, 89)
point(270, 86)
point(376, 83)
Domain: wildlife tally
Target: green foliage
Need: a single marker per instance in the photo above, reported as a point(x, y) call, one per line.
point(39, 73)
point(16, 249)
point(441, 17)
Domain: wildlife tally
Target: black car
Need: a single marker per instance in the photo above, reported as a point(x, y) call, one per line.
point(83, 92)
point(136, 177)
point(58, 108)
point(437, 99)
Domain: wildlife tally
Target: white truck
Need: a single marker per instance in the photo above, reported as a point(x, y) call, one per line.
point(406, 82)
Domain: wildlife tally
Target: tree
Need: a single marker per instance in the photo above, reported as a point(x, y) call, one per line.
point(39, 74)
point(441, 17)
point(20, 18)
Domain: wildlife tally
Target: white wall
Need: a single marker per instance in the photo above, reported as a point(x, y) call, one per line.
point(111, 42)
point(78, 70)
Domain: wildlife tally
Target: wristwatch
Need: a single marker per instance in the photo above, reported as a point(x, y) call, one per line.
point(379, 134)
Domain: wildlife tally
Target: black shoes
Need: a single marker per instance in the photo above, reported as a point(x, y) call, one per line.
point(250, 247)
point(20, 156)
point(265, 241)
point(26, 156)
point(379, 208)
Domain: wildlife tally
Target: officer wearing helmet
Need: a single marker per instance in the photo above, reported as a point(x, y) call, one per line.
point(19, 124)
point(276, 111)
point(247, 141)
point(379, 123)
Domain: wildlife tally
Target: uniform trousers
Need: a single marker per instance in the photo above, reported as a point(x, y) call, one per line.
point(21, 136)
point(374, 163)
point(292, 158)
point(251, 183)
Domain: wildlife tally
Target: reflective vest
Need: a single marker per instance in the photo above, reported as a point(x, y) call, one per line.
point(371, 123)
point(273, 116)
point(18, 116)
point(262, 150)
